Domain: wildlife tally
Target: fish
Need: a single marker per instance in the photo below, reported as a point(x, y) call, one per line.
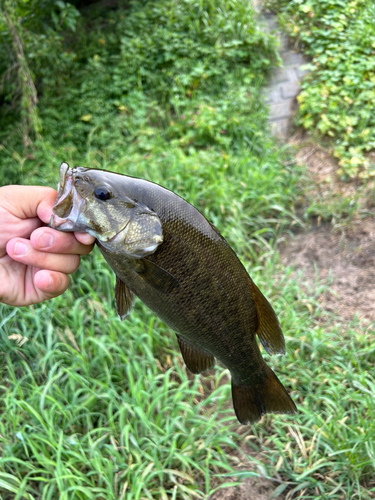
point(165, 252)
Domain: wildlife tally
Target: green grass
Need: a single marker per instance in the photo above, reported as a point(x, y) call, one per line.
point(327, 450)
point(96, 408)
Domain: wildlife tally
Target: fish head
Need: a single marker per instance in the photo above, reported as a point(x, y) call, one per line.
point(94, 201)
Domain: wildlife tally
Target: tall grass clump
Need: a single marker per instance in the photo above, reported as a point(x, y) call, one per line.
point(97, 408)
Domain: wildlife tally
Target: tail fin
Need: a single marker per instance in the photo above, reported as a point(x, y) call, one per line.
point(269, 396)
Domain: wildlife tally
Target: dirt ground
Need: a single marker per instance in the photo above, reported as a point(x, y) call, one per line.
point(345, 260)
point(250, 489)
point(341, 255)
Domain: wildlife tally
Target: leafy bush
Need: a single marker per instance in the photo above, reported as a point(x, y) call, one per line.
point(125, 79)
point(337, 96)
point(162, 90)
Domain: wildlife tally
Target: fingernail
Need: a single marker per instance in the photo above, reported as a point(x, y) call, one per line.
point(46, 240)
point(20, 248)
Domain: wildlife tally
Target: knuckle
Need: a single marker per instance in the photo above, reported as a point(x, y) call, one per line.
point(43, 261)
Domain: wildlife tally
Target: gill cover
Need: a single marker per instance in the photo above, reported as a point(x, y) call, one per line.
point(141, 235)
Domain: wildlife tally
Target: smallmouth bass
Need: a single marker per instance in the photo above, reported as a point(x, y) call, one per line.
point(164, 251)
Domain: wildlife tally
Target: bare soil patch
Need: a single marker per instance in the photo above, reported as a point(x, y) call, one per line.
point(250, 489)
point(325, 184)
point(341, 254)
point(346, 260)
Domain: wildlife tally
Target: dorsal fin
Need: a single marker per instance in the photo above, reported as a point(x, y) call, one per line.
point(269, 329)
point(196, 359)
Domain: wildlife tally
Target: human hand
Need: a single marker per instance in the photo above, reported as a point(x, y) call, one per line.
point(34, 259)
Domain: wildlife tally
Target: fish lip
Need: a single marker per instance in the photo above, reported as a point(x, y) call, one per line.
point(64, 169)
point(68, 204)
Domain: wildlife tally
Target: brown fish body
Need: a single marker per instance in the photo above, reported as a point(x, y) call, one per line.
point(197, 285)
point(212, 307)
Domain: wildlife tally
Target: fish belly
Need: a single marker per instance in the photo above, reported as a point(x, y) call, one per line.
point(204, 317)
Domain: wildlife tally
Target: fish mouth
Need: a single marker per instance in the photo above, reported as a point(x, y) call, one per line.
point(68, 204)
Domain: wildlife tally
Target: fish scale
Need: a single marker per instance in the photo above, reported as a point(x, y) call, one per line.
point(184, 271)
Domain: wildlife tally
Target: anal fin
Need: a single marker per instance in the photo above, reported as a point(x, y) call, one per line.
point(269, 329)
point(196, 359)
point(124, 298)
point(252, 402)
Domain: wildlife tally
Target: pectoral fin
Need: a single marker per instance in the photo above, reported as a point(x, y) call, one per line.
point(158, 278)
point(269, 329)
point(124, 298)
point(197, 360)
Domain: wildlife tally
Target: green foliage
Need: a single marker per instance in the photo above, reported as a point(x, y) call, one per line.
point(163, 90)
point(133, 80)
point(30, 40)
point(337, 96)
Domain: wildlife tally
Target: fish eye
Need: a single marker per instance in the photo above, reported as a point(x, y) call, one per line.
point(102, 193)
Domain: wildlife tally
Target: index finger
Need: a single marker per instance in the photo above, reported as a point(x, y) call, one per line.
point(26, 202)
point(85, 238)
